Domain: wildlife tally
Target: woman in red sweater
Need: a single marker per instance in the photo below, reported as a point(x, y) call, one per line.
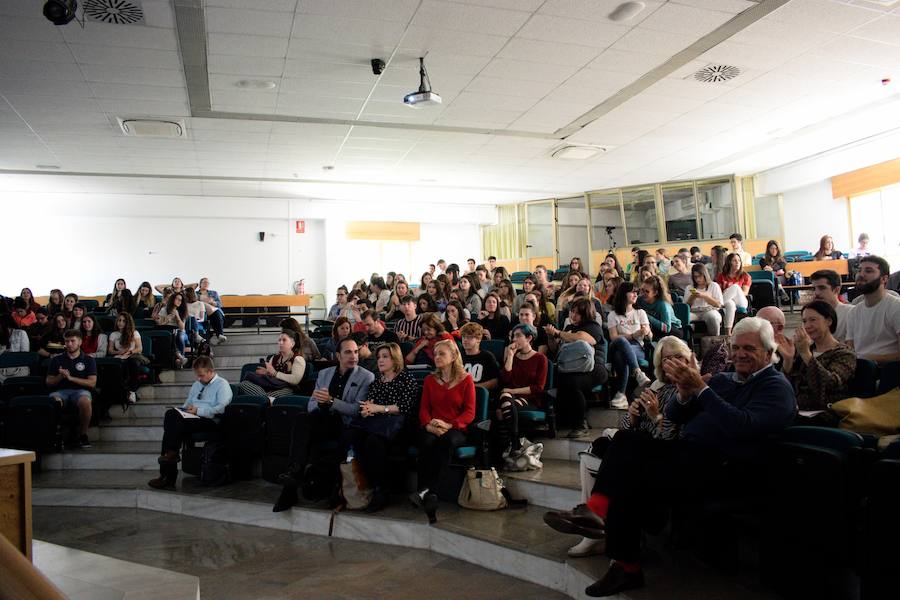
point(735, 284)
point(523, 378)
point(447, 408)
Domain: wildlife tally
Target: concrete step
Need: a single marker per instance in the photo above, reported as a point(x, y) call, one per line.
point(143, 409)
point(163, 391)
point(131, 430)
point(557, 486)
point(232, 374)
point(129, 456)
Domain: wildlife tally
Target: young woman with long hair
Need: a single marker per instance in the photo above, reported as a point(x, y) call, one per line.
point(494, 322)
point(705, 299)
point(826, 249)
point(735, 284)
point(55, 302)
point(281, 372)
point(628, 328)
point(93, 340)
point(175, 315)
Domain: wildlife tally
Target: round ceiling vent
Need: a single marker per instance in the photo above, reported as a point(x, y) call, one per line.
point(717, 73)
point(117, 12)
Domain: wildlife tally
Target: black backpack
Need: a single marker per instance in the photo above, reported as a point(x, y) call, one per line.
point(214, 468)
point(320, 480)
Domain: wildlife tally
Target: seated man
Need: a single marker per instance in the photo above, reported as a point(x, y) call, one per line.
point(377, 332)
point(724, 425)
point(206, 401)
point(409, 328)
point(827, 287)
point(36, 330)
point(72, 375)
point(873, 326)
point(697, 256)
point(367, 352)
point(335, 401)
point(480, 364)
point(737, 247)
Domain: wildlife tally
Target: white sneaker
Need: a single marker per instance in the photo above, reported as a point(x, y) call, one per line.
point(587, 547)
point(619, 401)
point(214, 340)
point(641, 378)
point(132, 397)
point(222, 338)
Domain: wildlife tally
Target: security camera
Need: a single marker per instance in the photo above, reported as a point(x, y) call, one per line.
point(377, 66)
point(60, 12)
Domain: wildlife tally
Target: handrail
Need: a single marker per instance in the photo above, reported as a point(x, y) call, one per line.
point(21, 579)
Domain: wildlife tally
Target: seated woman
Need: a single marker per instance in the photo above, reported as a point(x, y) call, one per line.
point(307, 346)
point(391, 398)
point(77, 314)
point(576, 266)
point(93, 340)
point(161, 305)
point(113, 296)
point(423, 283)
point(379, 294)
point(567, 289)
point(826, 249)
point(68, 307)
point(145, 300)
point(608, 293)
point(438, 294)
point(454, 317)
point(468, 289)
point(716, 265)
point(28, 297)
point(126, 345)
point(425, 304)
point(496, 324)
point(628, 329)
point(341, 329)
point(22, 315)
point(207, 295)
point(54, 340)
point(735, 284)
point(575, 388)
point(774, 262)
point(177, 286)
point(12, 339)
point(680, 278)
point(657, 303)
point(393, 310)
point(196, 316)
point(819, 366)
point(55, 302)
point(507, 297)
point(527, 316)
point(582, 290)
point(432, 333)
point(281, 372)
point(646, 413)
point(705, 298)
point(523, 376)
point(337, 309)
point(447, 408)
point(174, 314)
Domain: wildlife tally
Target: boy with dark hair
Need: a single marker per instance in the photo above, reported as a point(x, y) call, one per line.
point(873, 326)
point(72, 375)
point(480, 364)
point(409, 327)
point(827, 287)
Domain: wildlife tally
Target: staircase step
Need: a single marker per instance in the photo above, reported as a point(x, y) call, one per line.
point(131, 456)
point(131, 430)
point(187, 375)
point(163, 391)
point(556, 486)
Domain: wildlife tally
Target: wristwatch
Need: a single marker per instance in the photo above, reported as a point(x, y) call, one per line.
point(385, 410)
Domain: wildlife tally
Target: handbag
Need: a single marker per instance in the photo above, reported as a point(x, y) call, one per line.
point(879, 415)
point(482, 489)
point(355, 489)
point(575, 357)
point(526, 458)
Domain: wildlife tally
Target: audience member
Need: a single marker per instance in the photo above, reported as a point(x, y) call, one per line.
point(54, 339)
point(145, 298)
point(126, 345)
point(628, 329)
point(723, 426)
point(470, 266)
point(94, 341)
point(174, 314)
point(507, 296)
point(339, 330)
point(468, 289)
point(716, 262)
point(863, 248)
point(454, 317)
point(68, 307)
point(37, 329)
point(207, 295)
point(339, 308)
point(22, 315)
point(425, 304)
point(735, 284)
point(631, 267)
point(423, 282)
point(432, 333)
point(528, 316)
point(523, 377)
point(575, 388)
point(367, 358)
point(409, 326)
point(480, 364)
point(663, 262)
point(679, 276)
point(495, 323)
point(379, 294)
point(307, 345)
point(484, 280)
point(393, 310)
point(826, 249)
point(12, 339)
point(447, 409)
point(698, 257)
point(873, 326)
point(196, 315)
point(647, 412)
point(71, 375)
point(113, 299)
point(540, 276)
point(377, 332)
point(28, 297)
point(705, 299)
point(608, 292)
point(280, 373)
point(77, 314)
point(207, 399)
point(826, 286)
point(818, 365)
point(657, 303)
point(736, 241)
point(55, 302)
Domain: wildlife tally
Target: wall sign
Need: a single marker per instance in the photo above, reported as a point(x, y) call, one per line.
point(301, 226)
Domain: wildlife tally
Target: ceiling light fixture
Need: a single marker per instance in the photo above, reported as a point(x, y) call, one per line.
point(626, 11)
point(255, 84)
point(47, 167)
point(576, 152)
point(424, 96)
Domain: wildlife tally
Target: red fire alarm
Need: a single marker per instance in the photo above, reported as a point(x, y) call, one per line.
point(301, 226)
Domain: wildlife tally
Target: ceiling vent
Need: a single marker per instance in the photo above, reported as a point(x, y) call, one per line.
point(116, 12)
point(153, 128)
point(716, 73)
point(576, 151)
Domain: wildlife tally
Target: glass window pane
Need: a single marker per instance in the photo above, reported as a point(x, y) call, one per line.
point(540, 230)
point(608, 231)
point(768, 219)
point(640, 215)
point(680, 212)
point(571, 230)
point(716, 209)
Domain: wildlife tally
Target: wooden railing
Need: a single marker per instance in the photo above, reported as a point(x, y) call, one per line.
point(20, 579)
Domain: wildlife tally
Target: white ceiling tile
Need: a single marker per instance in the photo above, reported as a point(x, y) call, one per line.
point(252, 66)
point(158, 108)
point(325, 89)
point(688, 20)
point(158, 13)
point(76, 89)
point(754, 57)
point(247, 22)
point(470, 100)
point(336, 50)
point(228, 125)
point(133, 75)
point(359, 31)
point(886, 30)
point(861, 51)
point(687, 88)
point(24, 103)
point(530, 71)
point(525, 89)
point(32, 69)
point(299, 104)
point(437, 63)
point(548, 52)
point(247, 45)
point(360, 73)
point(387, 10)
point(655, 103)
point(445, 40)
point(261, 100)
point(466, 17)
point(26, 28)
point(791, 37)
point(275, 5)
point(730, 6)
point(594, 10)
point(129, 57)
point(45, 51)
point(624, 61)
point(824, 15)
point(665, 43)
point(551, 28)
point(317, 113)
point(129, 36)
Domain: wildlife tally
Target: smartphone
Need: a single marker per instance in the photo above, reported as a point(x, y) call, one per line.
point(262, 362)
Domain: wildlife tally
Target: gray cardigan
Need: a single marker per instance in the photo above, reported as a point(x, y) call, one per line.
point(354, 392)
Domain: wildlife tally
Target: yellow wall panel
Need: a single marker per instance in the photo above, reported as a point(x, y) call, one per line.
point(385, 230)
point(865, 180)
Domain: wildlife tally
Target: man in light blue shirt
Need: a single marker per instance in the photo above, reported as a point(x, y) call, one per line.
point(206, 402)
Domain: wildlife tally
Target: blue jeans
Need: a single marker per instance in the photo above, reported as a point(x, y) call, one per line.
point(624, 355)
point(181, 339)
point(70, 397)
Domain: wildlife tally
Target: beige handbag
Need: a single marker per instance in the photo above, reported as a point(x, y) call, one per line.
point(879, 415)
point(354, 488)
point(482, 490)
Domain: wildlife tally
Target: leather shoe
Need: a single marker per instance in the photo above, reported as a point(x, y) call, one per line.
point(615, 581)
point(287, 499)
point(170, 456)
point(378, 502)
point(578, 521)
point(162, 483)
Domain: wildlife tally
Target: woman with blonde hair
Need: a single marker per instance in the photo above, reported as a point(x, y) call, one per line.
point(447, 408)
point(826, 249)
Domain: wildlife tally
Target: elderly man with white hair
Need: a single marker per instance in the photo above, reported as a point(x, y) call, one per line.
point(723, 427)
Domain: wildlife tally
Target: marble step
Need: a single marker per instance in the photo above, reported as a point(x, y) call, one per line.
point(130, 456)
point(130, 430)
point(556, 486)
point(187, 375)
point(514, 542)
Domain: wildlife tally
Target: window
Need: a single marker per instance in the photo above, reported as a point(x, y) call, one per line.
point(640, 215)
point(680, 211)
point(607, 228)
point(570, 230)
point(716, 203)
point(875, 214)
point(768, 217)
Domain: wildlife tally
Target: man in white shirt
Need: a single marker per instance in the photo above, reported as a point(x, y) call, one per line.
point(873, 326)
point(737, 247)
point(827, 287)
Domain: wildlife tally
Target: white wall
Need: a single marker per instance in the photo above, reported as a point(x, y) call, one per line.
point(809, 213)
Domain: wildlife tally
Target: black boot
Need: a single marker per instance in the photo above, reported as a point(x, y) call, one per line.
point(287, 498)
point(379, 500)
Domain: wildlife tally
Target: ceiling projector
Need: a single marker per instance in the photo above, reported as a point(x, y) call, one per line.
point(423, 96)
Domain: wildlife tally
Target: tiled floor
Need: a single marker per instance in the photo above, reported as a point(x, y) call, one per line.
point(239, 561)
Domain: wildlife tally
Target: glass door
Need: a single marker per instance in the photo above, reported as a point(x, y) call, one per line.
point(572, 231)
point(540, 234)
